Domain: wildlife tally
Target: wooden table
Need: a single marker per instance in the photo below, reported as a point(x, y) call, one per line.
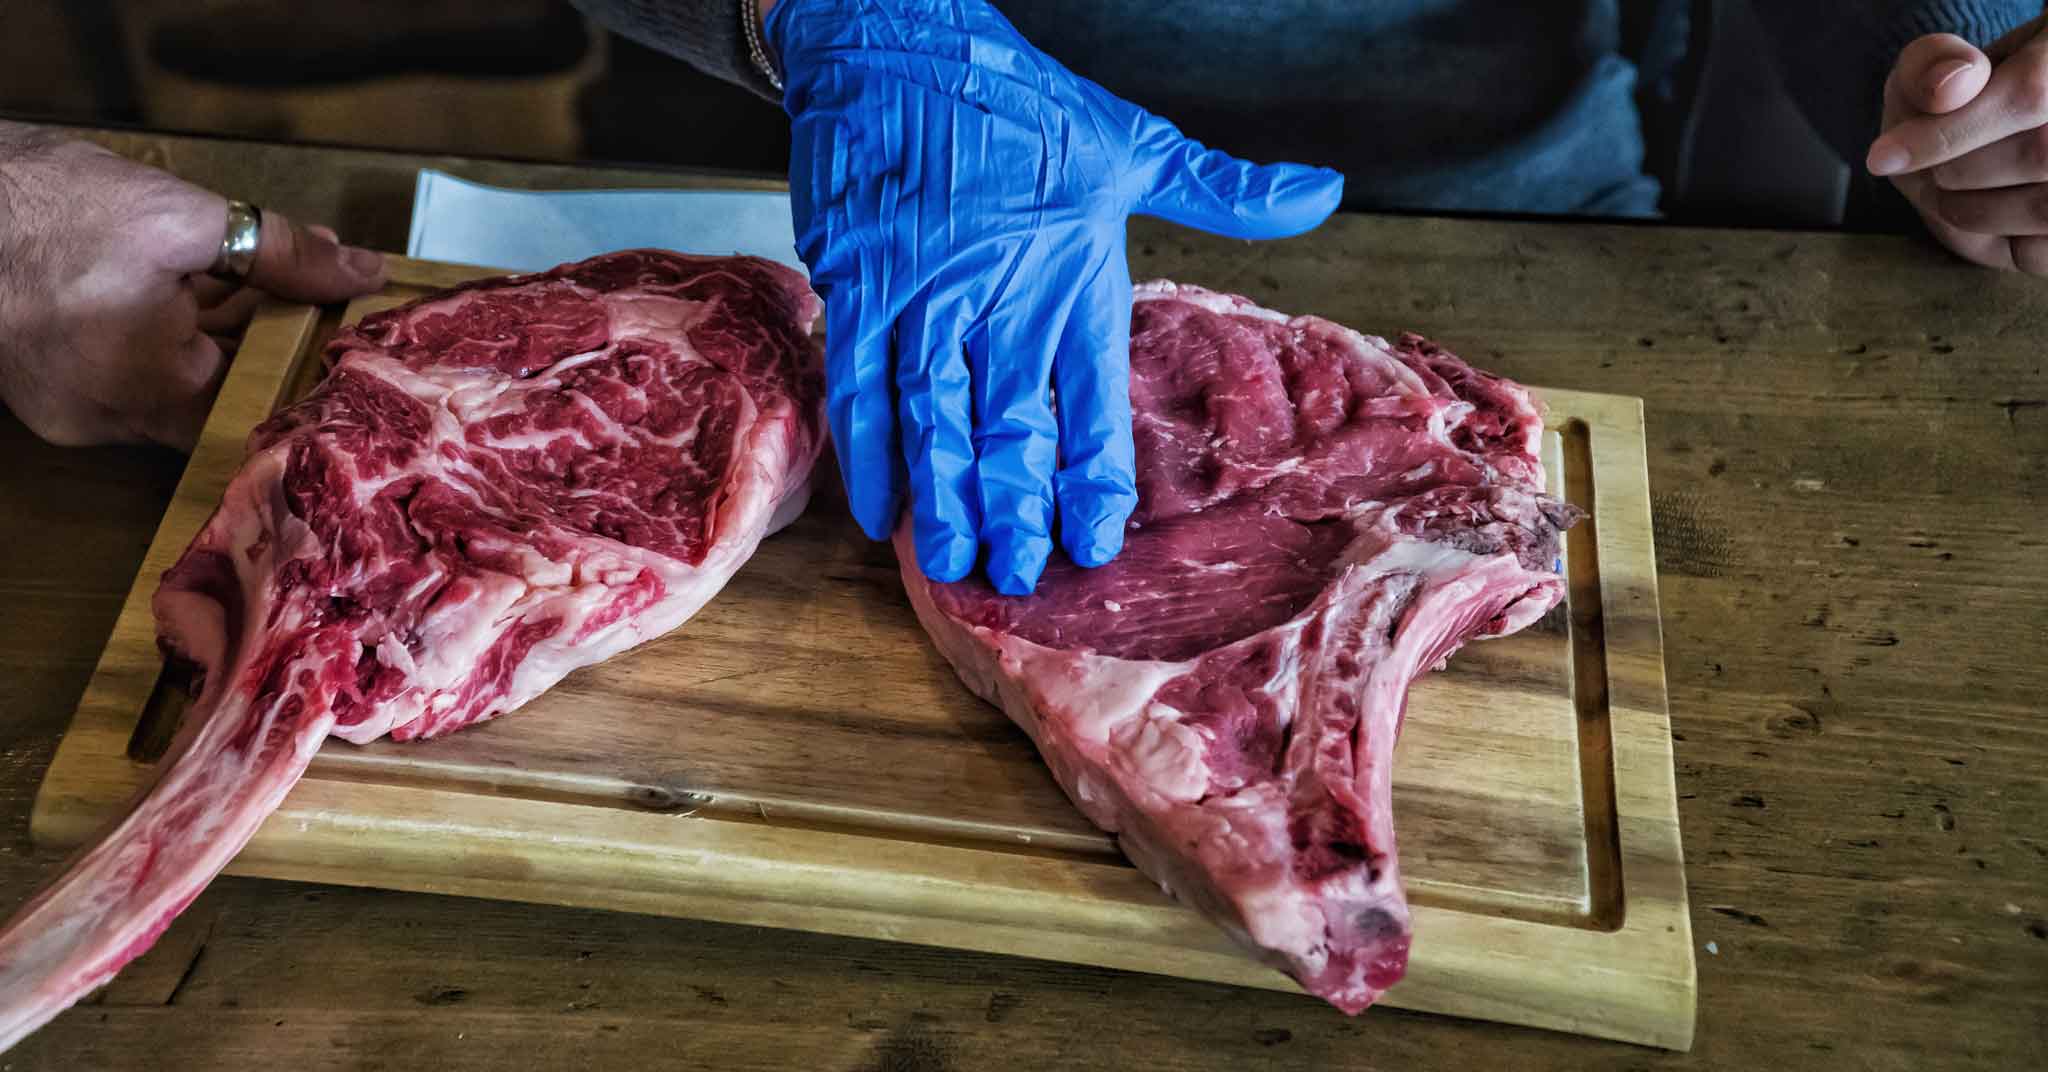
point(1849, 459)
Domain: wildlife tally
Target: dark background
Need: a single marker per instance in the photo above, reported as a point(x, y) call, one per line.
point(531, 79)
point(474, 77)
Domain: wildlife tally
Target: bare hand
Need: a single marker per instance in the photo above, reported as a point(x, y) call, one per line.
point(1965, 138)
point(110, 328)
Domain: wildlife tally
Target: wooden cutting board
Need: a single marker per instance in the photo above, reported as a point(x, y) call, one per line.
point(798, 756)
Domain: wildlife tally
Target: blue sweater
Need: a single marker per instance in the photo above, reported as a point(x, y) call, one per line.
point(1481, 105)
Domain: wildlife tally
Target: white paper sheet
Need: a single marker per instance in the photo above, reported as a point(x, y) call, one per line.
point(527, 231)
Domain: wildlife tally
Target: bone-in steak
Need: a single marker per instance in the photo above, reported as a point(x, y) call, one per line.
point(491, 488)
point(1322, 518)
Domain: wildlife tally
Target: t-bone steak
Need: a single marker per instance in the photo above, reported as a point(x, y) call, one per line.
point(491, 487)
point(1321, 518)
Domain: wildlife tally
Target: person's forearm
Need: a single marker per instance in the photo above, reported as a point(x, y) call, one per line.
point(762, 8)
point(1839, 84)
point(706, 34)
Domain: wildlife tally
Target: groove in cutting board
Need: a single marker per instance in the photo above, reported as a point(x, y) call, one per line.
point(1589, 686)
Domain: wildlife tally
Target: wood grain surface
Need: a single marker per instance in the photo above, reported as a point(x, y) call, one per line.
point(1848, 442)
point(799, 756)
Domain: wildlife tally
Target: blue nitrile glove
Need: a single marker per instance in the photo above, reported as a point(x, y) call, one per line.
point(960, 199)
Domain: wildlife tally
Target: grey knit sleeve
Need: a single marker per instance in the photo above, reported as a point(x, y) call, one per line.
point(1834, 55)
point(706, 34)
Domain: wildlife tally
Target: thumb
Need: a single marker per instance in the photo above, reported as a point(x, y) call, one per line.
point(1939, 73)
point(304, 264)
point(1217, 192)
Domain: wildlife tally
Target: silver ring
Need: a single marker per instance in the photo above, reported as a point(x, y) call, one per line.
point(238, 245)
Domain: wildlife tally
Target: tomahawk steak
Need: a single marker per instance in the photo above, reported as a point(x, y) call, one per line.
point(490, 488)
point(1321, 518)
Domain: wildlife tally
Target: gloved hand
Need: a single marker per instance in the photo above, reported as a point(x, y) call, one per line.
point(961, 199)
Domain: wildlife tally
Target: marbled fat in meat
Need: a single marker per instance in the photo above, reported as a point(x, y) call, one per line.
point(490, 488)
point(1322, 517)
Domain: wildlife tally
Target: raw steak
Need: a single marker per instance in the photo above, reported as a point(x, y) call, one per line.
point(1321, 518)
point(491, 488)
